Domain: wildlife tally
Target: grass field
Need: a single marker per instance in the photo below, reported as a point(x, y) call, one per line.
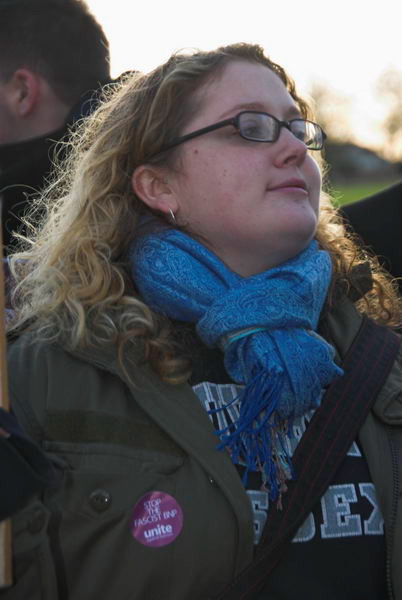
point(344, 194)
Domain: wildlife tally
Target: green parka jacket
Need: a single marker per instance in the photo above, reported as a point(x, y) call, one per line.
point(115, 441)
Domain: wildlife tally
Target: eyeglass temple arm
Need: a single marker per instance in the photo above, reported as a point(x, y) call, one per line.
point(190, 136)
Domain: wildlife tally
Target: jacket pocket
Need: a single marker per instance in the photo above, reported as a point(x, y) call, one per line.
point(97, 554)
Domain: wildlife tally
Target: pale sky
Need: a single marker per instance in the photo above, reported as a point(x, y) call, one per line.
point(345, 44)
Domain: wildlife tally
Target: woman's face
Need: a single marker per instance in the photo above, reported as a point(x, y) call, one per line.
point(254, 204)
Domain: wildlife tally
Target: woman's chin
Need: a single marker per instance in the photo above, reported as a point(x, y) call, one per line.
point(297, 241)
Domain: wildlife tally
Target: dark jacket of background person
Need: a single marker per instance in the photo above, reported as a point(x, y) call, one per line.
point(25, 167)
point(54, 55)
point(116, 440)
point(378, 221)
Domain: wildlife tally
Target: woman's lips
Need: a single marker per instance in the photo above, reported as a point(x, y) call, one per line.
point(290, 185)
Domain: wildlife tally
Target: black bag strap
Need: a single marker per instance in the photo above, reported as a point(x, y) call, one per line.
point(321, 450)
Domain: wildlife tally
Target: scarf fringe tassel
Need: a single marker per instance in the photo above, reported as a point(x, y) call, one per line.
point(258, 433)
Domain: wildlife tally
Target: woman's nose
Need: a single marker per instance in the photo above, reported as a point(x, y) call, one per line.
point(288, 148)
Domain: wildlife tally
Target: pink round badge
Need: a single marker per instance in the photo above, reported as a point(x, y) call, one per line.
point(156, 520)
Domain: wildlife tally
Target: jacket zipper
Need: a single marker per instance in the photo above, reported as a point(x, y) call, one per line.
point(394, 509)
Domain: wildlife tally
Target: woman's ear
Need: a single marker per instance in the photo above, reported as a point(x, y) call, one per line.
point(151, 185)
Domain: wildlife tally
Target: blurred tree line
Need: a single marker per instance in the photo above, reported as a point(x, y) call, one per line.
point(347, 159)
point(389, 87)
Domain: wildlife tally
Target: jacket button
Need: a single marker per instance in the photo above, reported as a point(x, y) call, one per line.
point(211, 480)
point(100, 500)
point(37, 521)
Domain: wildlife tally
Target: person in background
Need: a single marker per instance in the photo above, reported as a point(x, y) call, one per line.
point(54, 56)
point(377, 221)
point(177, 317)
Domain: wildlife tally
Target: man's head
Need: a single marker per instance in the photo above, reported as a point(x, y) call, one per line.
point(51, 53)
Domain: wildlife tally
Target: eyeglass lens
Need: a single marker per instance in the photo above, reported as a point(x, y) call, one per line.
point(263, 127)
point(257, 126)
point(307, 132)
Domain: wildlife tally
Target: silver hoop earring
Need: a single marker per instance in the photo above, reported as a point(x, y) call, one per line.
point(172, 217)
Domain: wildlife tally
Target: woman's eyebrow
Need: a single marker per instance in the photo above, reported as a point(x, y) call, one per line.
point(294, 113)
point(291, 113)
point(243, 106)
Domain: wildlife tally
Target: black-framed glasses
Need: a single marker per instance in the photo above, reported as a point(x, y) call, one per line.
point(257, 126)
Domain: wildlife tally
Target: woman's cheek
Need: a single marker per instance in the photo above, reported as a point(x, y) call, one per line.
point(314, 182)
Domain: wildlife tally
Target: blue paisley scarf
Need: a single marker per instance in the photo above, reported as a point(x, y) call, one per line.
point(265, 324)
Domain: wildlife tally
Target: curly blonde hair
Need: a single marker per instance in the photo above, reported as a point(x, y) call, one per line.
point(71, 277)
